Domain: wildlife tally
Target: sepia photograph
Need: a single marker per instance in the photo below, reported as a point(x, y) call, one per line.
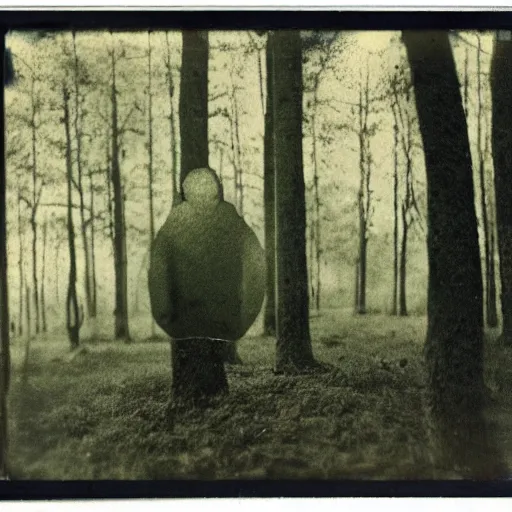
point(279, 254)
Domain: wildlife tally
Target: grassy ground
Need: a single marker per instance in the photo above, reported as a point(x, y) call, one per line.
point(102, 415)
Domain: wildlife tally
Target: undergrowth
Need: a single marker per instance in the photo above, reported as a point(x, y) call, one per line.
point(104, 414)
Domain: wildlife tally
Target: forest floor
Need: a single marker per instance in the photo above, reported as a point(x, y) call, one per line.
point(102, 414)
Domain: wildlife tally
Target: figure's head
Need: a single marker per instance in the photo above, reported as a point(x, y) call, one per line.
point(202, 186)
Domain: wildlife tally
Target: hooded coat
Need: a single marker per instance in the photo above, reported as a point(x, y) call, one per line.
point(207, 267)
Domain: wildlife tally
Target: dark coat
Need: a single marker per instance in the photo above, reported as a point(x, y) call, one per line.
point(207, 273)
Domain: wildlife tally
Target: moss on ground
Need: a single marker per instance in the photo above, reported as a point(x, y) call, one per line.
point(104, 414)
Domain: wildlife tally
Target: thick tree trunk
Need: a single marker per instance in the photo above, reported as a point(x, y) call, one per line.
point(501, 87)
point(269, 200)
point(172, 124)
point(72, 315)
point(193, 108)
point(198, 371)
point(294, 352)
point(121, 331)
point(5, 359)
point(454, 345)
point(403, 264)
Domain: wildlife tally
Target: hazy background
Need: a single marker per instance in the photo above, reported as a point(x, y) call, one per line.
point(236, 79)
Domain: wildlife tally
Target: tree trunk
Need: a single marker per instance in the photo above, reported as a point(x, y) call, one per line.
point(193, 108)
point(311, 261)
point(20, 267)
point(363, 211)
point(79, 181)
point(33, 223)
point(490, 308)
point(43, 272)
point(27, 313)
point(356, 287)
point(294, 352)
point(269, 200)
point(231, 352)
point(403, 264)
point(28, 340)
point(72, 316)
point(236, 124)
point(492, 314)
point(94, 310)
point(197, 365)
point(394, 310)
point(172, 123)
point(316, 195)
point(362, 270)
point(56, 270)
point(5, 358)
point(501, 87)
point(150, 162)
point(121, 331)
point(454, 344)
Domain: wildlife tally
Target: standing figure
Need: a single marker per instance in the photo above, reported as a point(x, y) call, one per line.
point(206, 278)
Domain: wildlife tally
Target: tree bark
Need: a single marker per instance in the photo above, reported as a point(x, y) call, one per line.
point(394, 310)
point(72, 316)
point(356, 286)
point(56, 271)
point(150, 162)
point(231, 352)
point(316, 193)
point(29, 333)
point(79, 181)
point(501, 87)
point(364, 192)
point(33, 223)
point(43, 275)
point(269, 199)
point(193, 108)
point(490, 306)
point(172, 124)
point(121, 331)
point(5, 357)
point(454, 344)
point(94, 310)
point(198, 371)
point(20, 266)
point(403, 264)
point(294, 352)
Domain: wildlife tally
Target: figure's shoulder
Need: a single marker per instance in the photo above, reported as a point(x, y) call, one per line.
point(224, 206)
